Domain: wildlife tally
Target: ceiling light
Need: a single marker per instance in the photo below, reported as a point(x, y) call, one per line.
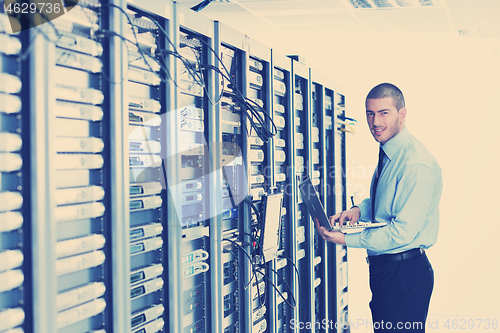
point(394, 4)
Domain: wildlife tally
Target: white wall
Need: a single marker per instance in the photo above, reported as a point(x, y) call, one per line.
point(452, 90)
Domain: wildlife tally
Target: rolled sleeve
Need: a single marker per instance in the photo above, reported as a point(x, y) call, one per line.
point(366, 209)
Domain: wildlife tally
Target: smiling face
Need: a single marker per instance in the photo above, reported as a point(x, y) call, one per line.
point(384, 120)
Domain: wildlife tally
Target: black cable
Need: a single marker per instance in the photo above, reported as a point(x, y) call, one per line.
point(279, 292)
point(250, 235)
point(192, 71)
point(294, 266)
point(244, 102)
point(262, 302)
point(141, 52)
point(240, 272)
point(28, 50)
point(24, 55)
point(257, 212)
point(207, 66)
point(262, 130)
point(197, 77)
point(195, 74)
point(265, 133)
point(201, 5)
point(246, 253)
point(109, 33)
point(105, 33)
point(198, 60)
point(288, 287)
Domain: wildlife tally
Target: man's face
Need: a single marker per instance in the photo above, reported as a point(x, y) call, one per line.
point(384, 119)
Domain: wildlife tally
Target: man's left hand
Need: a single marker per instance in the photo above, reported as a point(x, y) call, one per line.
point(336, 237)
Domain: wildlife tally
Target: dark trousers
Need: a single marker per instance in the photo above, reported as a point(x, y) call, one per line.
point(401, 291)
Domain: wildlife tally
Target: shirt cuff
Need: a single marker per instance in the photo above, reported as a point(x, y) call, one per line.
point(353, 240)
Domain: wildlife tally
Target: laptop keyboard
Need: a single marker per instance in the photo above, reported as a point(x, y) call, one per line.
point(357, 227)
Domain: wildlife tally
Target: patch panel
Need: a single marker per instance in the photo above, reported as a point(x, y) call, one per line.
point(233, 328)
point(145, 231)
point(194, 269)
point(231, 302)
point(259, 313)
point(152, 327)
point(79, 295)
point(259, 327)
point(145, 203)
point(80, 262)
point(195, 256)
point(147, 315)
point(279, 88)
point(144, 118)
point(80, 313)
point(198, 327)
point(193, 299)
point(145, 273)
point(146, 288)
point(146, 245)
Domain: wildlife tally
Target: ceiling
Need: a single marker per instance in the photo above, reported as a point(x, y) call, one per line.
point(329, 18)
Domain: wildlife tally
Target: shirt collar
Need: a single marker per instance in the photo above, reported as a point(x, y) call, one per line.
point(392, 146)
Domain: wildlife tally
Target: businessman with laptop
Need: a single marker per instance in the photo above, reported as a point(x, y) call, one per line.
point(405, 193)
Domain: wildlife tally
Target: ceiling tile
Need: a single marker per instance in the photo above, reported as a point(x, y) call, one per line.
point(405, 20)
point(312, 19)
point(472, 3)
point(475, 18)
point(225, 9)
point(306, 17)
point(285, 6)
point(248, 21)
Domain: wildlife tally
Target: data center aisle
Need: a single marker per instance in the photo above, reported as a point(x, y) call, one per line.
point(150, 160)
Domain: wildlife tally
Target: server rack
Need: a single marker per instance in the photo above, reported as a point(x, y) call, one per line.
point(68, 119)
point(146, 91)
point(230, 46)
point(321, 104)
point(195, 105)
point(119, 317)
point(261, 175)
point(302, 168)
point(15, 264)
point(337, 166)
point(284, 181)
point(41, 196)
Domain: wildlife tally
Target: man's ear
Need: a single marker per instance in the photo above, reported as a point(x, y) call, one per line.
point(402, 114)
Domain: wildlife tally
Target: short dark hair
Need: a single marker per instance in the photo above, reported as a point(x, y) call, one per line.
point(384, 90)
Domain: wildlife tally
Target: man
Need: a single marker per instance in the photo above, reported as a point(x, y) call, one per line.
point(405, 193)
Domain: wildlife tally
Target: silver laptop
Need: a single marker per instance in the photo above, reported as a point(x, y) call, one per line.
point(316, 210)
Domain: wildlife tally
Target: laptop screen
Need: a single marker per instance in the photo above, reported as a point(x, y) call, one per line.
point(313, 204)
point(270, 234)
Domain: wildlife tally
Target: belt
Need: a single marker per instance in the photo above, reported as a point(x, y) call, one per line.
point(383, 258)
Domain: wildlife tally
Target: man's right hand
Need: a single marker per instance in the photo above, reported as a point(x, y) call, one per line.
point(352, 215)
